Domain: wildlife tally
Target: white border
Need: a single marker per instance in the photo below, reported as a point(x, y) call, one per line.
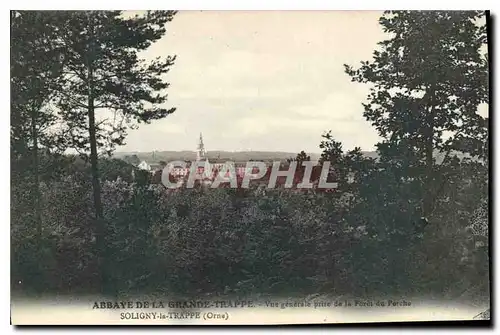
point(257, 5)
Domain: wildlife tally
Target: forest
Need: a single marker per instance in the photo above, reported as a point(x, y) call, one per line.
point(406, 225)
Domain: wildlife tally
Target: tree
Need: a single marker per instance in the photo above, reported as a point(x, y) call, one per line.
point(133, 159)
point(427, 81)
point(301, 157)
point(104, 73)
point(112, 169)
point(333, 153)
point(36, 73)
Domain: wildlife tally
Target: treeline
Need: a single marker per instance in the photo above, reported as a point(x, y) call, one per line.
point(208, 241)
point(241, 156)
point(400, 224)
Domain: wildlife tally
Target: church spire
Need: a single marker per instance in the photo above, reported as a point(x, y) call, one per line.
point(200, 153)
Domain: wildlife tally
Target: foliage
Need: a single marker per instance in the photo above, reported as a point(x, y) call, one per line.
point(424, 100)
point(132, 159)
point(101, 50)
point(36, 73)
point(369, 237)
point(301, 157)
point(422, 92)
point(208, 241)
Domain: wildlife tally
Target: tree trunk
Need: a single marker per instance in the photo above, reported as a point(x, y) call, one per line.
point(40, 283)
point(429, 198)
point(100, 230)
point(36, 178)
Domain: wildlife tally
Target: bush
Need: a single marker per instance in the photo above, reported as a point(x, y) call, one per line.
point(209, 241)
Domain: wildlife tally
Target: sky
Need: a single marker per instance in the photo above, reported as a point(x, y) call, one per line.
point(263, 81)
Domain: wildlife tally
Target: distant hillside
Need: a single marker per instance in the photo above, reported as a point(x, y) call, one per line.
point(239, 156)
point(223, 155)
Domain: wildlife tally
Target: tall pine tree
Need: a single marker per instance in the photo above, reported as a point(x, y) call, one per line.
point(105, 74)
point(426, 83)
point(37, 60)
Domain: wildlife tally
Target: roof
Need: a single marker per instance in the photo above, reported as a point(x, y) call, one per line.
point(152, 165)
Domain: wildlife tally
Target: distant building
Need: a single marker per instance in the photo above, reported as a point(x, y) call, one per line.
point(207, 170)
point(144, 166)
point(151, 167)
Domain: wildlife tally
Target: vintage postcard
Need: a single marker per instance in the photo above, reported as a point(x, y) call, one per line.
point(249, 167)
